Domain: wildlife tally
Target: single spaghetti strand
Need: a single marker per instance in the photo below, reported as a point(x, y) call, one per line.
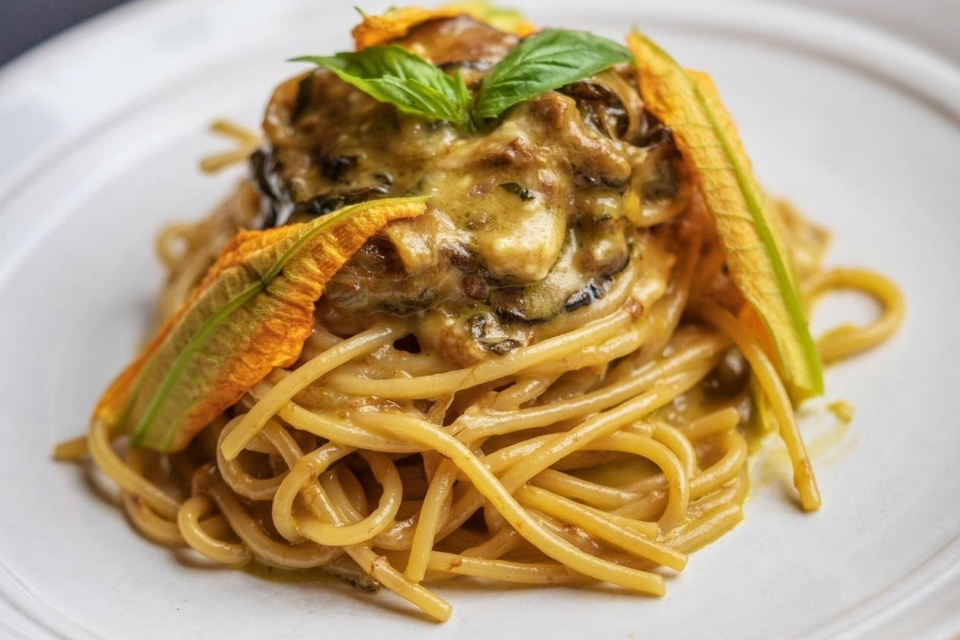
point(188, 519)
point(803, 477)
point(711, 424)
point(71, 450)
point(429, 520)
point(236, 131)
point(110, 463)
point(503, 570)
point(330, 426)
point(147, 522)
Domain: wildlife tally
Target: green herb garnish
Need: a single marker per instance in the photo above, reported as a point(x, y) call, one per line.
point(548, 60)
point(394, 75)
point(545, 61)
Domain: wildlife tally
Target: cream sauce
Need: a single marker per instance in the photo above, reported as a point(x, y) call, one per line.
point(530, 219)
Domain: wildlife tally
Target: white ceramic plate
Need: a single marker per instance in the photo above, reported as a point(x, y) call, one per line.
point(100, 132)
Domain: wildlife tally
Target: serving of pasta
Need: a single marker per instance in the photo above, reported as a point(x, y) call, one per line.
point(494, 301)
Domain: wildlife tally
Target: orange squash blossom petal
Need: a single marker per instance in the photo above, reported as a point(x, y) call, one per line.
point(688, 103)
point(397, 23)
point(252, 312)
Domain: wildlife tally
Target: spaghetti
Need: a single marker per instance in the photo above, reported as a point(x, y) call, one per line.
point(595, 445)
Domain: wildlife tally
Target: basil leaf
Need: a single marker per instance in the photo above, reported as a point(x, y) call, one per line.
point(396, 76)
point(543, 62)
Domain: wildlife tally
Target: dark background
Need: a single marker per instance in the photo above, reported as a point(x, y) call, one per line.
point(24, 23)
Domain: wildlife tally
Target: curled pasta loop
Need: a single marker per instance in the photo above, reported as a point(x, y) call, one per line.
point(188, 519)
point(846, 340)
point(382, 517)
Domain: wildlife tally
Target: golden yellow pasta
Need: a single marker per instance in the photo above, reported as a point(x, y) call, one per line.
point(493, 302)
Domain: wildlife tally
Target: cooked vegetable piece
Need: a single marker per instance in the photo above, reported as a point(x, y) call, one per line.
point(252, 312)
point(688, 103)
point(509, 20)
point(398, 22)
